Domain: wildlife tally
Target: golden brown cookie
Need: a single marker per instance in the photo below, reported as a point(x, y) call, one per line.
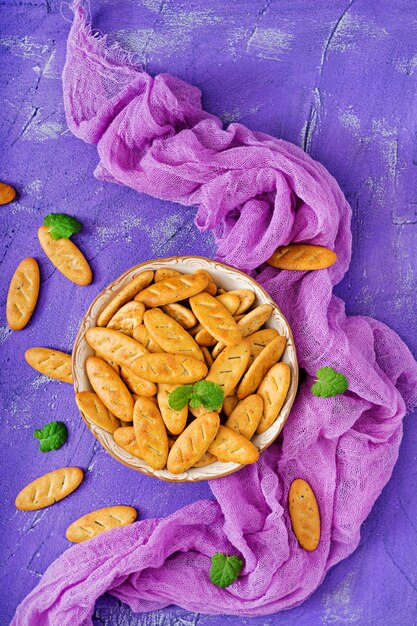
point(142, 336)
point(165, 272)
point(138, 283)
point(260, 339)
point(248, 324)
point(67, 258)
point(151, 434)
point(136, 384)
point(203, 338)
point(95, 411)
point(7, 193)
point(110, 388)
point(180, 314)
point(100, 521)
point(230, 301)
point(270, 355)
point(49, 488)
point(215, 318)
point(193, 442)
point(229, 445)
point(52, 363)
point(23, 294)
point(207, 356)
point(170, 335)
point(229, 366)
point(273, 391)
point(173, 369)
point(211, 285)
point(126, 439)
point(246, 297)
point(304, 514)
point(230, 404)
point(246, 416)
point(172, 290)
point(127, 318)
point(115, 346)
point(175, 421)
point(206, 459)
point(302, 256)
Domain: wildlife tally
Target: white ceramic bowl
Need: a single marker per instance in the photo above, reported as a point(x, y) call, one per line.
point(227, 277)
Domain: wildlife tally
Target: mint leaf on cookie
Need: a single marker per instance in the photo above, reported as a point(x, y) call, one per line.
point(210, 395)
point(52, 436)
point(224, 569)
point(179, 397)
point(329, 383)
point(61, 226)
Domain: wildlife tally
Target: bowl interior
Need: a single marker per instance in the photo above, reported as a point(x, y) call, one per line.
point(226, 277)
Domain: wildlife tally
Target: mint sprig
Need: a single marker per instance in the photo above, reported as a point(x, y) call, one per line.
point(52, 436)
point(204, 392)
point(61, 226)
point(329, 383)
point(224, 569)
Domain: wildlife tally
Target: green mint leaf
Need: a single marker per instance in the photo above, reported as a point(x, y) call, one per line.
point(52, 436)
point(210, 395)
point(329, 383)
point(224, 569)
point(195, 401)
point(61, 226)
point(179, 397)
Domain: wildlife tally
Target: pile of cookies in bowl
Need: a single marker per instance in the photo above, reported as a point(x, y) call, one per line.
point(184, 369)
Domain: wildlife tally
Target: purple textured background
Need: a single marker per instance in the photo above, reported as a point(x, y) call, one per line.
point(337, 78)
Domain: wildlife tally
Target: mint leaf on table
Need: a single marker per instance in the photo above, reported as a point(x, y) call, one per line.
point(203, 392)
point(179, 397)
point(329, 383)
point(52, 436)
point(224, 569)
point(210, 395)
point(61, 226)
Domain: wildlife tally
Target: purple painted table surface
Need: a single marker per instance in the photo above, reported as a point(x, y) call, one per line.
point(337, 78)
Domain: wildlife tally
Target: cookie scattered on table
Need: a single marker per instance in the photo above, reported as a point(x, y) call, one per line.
point(7, 193)
point(23, 294)
point(49, 488)
point(302, 256)
point(67, 258)
point(97, 522)
point(52, 363)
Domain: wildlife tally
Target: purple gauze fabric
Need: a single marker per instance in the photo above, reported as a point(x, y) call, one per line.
point(256, 192)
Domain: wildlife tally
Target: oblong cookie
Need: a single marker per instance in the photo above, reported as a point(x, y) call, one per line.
point(174, 369)
point(180, 314)
point(175, 421)
point(229, 404)
point(52, 363)
point(127, 318)
point(273, 391)
point(100, 521)
point(125, 437)
point(7, 193)
point(302, 256)
point(229, 366)
point(304, 514)
point(136, 384)
point(211, 285)
point(94, 410)
point(49, 488)
point(172, 289)
point(193, 442)
point(259, 339)
point(150, 432)
point(230, 301)
point(170, 335)
point(115, 346)
point(110, 388)
point(165, 272)
point(248, 324)
point(246, 416)
point(67, 258)
point(138, 283)
point(142, 336)
point(229, 445)
point(246, 297)
point(215, 318)
point(23, 294)
point(270, 355)
point(203, 338)
point(207, 356)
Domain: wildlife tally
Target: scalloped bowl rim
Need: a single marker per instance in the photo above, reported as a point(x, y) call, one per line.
point(224, 275)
